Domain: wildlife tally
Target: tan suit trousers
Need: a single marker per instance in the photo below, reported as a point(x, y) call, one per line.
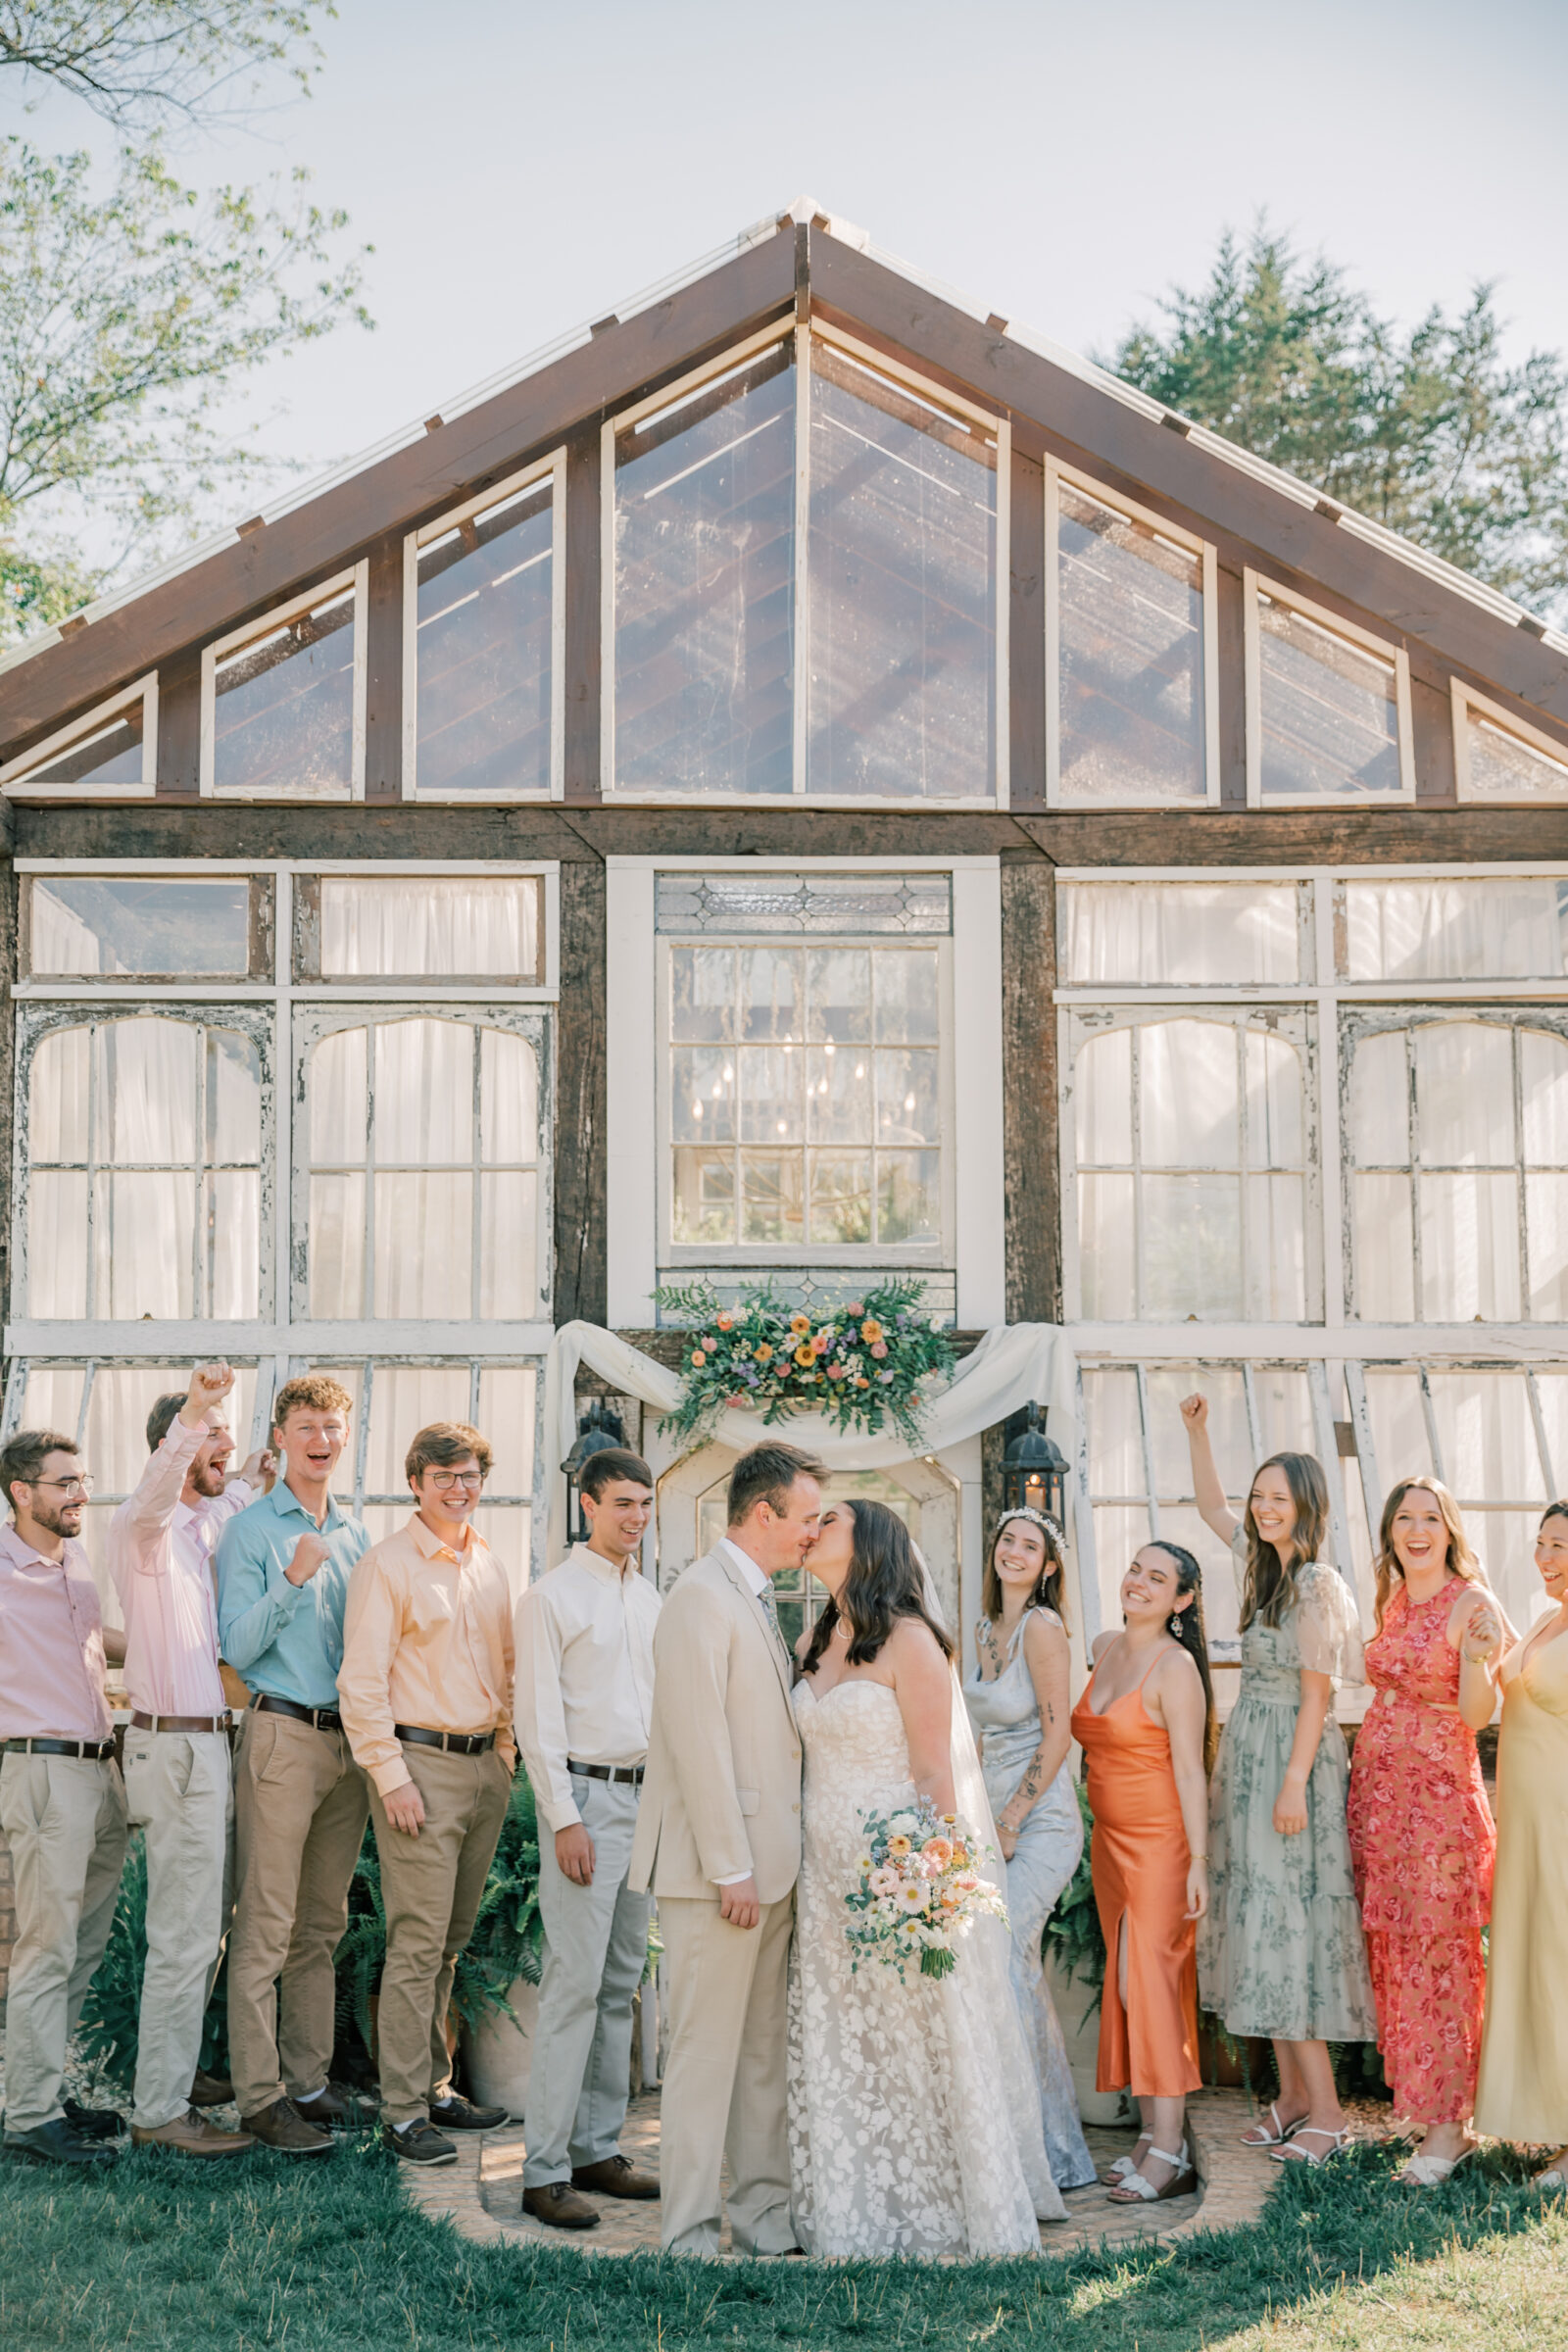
point(180, 1788)
point(724, 2090)
point(431, 1887)
point(66, 1821)
point(300, 1809)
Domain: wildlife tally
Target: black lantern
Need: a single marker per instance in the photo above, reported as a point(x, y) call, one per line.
point(1034, 1472)
point(597, 1429)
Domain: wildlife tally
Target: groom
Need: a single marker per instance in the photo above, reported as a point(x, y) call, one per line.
point(719, 1839)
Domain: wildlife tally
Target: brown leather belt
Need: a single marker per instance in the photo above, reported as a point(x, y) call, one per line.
point(181, 1723)
point(452, 1744)
point(630, 1772)
point(88, 1752)
point(323, 1719)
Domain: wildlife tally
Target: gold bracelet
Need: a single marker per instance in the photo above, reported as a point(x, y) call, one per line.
point(1204, 1858)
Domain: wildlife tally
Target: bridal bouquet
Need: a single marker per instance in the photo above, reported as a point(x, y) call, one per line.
point(919, 1891)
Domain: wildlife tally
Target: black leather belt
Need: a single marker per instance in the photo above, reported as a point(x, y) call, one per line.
point(632, 1773)
point(324, 1719)
point(189, 1724)
point(88, 1752)
point(452, 1744)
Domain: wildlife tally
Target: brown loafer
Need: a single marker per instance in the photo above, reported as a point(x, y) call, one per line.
point(210, 2091)
point(329, 2111)
point(615, 2176)
point(559, 2207)
point(193, 2136)
point(282, 2127)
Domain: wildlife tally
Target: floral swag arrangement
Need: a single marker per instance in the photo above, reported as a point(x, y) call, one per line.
point(862, 1366)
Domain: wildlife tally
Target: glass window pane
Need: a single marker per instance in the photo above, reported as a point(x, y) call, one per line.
point(1504, 767)
point(1487, 1435)
point(908, 1199)
point(120, 925)
point(703, 1095)
point(122, 1397)
point(409, 927)
point(839, 982)
point(1107, 1265)
point(1398, 1426)
point(233, 1243)
point(1551, 1390)
point(424, 1094)
point(508, 1099)
point(483, 617)
point(337, 1247)
point(509, 1289)
point(509, 1532)
point(1504, 1543)
point(1182, 934)
point(1385, 1249)
point(1464, 1095)
point(1274, 1117)
point(1131, 640)
point(905, 998)
point(1276, 1249)
point(283, 708)
point(1166, 1384)
point(771, 995)
point(1330, 713)
point(1187, 1095)
point(145, 1084)
point(1544, 1094)
point(771, 1207)
point(507, 1418)
point(108, 754)
point(840, 1197)
point(1547, 1228)
point(57, 1243)
point(1283, 1402)
point(908, 1111)
point(404, 1400)
point(705, 529)
point(1380, 1102)
point(702, 992)
point(839, 1096)
point(143, 1230)
point(1469, 1249)
point(1503, 929)
point(423, 1246)
point(902, 561)
point(339, 1098)
point(1116, 1442)
point(1192, 1247)
point(1102, 1091)
point(52, 1398)
point(233, 1098)
point(770, 1089)
point(702, 1201)
point(57, 1097)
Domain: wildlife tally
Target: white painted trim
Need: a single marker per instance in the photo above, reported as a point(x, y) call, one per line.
point(1500, 1344)
point(1001, 668)
point(631, 1063)
point(733, 357)
point(800, 569)
point(400, 1341)
point(975, 1155)
point(325, 592)
point(668, 863)
point(16, 773)
point(554, 469)
point(1057, 473)
point(1374, 870)
point(900, 372)
point(1382, 649)
point(1465, 700)
point(606, 608)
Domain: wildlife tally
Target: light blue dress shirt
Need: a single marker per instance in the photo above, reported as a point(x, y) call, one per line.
point(283, 1638)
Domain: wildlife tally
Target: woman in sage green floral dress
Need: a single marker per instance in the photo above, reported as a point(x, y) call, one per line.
point(1282, 1952)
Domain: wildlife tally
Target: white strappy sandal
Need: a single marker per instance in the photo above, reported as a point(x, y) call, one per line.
point(1299, 2155)
point(1429, 2172)
point(1260, 2135)
point(1133, 2188)
point(1120, 2169)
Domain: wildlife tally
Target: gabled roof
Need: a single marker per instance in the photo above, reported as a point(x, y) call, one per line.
point(805, 258)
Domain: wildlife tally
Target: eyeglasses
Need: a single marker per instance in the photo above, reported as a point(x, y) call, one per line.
point(69, 1488)
point(445, 1480)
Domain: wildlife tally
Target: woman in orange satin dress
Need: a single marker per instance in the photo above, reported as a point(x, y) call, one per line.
point(1146, 1723)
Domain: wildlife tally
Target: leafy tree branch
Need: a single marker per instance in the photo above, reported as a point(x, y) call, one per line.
point(137, 63)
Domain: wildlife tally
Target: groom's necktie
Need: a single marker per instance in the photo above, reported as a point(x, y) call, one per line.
point(771, 1612)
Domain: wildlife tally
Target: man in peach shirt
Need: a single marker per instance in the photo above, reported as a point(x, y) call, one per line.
point(425, 1692)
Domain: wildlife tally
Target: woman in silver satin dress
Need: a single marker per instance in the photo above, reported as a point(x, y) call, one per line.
point(1018, 1703)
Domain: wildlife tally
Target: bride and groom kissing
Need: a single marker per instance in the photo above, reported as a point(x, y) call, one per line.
point(862, 2112)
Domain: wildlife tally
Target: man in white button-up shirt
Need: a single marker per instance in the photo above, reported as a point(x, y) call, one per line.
point(584, 1699)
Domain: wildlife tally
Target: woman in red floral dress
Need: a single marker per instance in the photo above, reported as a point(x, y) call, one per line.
point(1422, 1838)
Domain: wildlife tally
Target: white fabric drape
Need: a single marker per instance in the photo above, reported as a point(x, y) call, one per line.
point(1014, 1365)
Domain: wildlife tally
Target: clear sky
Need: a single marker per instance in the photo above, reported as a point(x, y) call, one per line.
point(519, 165)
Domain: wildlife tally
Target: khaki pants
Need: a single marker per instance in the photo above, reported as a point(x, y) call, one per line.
point(300, 1808)
point(431, 1887)
point(181, 1790)
point(596, 1949)
point(66, 1820)
point(724, 2090)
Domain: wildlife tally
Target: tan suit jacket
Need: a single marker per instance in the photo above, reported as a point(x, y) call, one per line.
point(723, 1790)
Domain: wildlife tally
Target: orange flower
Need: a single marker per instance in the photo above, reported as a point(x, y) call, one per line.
point(799, 1325)
point(870, 1331)
point(938, 1850)
point(805, 1354)
point(764, 1351)
point(725, 1322)
point(861, 1382)
point(699, 1357)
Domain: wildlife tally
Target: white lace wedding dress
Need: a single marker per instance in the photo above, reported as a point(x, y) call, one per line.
point(914, 2125)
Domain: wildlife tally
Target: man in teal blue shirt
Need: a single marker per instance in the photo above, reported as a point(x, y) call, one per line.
point(300, 1802)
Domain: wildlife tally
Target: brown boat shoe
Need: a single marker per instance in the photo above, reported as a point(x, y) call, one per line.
point(191, 2135)
point(282, 2127)
point(615, 2176)
point(559, 2207)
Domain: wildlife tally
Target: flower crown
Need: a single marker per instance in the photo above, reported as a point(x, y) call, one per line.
point(1026, 1510)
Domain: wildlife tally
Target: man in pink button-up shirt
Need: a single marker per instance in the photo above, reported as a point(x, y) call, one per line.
point(179, 1778)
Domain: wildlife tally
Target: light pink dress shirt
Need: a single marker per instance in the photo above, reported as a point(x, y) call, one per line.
point(161, 1559)
point(50, 1645)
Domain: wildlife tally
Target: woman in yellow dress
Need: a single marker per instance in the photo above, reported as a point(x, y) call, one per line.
point(1523, 2092)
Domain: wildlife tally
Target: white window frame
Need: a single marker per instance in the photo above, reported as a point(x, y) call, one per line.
point(937, 397)
point(1465, 702)
point(1055, 474)
point(551, 468)
point(15, 775)
point(356, 579)
point(1382, 649)
point(637, 1136)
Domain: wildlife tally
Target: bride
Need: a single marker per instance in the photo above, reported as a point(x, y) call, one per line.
point(913, 2123)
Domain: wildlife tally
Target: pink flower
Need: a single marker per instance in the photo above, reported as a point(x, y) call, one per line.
point(709, 1343)
point(736, 1398)
point(879, 1349)
point(938, 1851)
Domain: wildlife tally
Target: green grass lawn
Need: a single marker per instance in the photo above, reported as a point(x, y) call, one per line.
point(329, 2258)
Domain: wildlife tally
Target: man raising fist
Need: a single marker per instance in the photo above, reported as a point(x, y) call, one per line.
point(300, 1799)
point(178, 1782)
